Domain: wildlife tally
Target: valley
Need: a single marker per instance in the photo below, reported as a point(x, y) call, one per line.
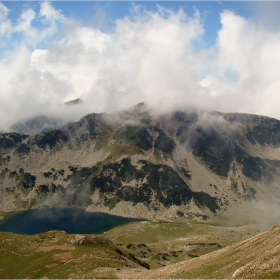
point(117, 253)
point(202, 181)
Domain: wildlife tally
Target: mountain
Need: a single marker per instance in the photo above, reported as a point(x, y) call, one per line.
point(41, 123)
point(180, 165)
point(36, 125)
point(73, 102)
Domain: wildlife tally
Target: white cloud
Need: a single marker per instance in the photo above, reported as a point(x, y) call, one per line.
point(251, 51)
point(50, 17)
point(5, 23)
point(50, 13)
point(149, 56)
point(25, 27)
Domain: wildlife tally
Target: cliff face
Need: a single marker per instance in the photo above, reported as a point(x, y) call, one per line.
point(136, 163)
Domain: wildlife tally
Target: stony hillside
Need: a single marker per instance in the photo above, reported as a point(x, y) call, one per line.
point(140, 164)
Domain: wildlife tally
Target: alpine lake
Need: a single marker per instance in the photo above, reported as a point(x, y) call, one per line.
point(70, 220)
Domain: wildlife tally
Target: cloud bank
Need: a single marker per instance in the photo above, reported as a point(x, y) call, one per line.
point(149, 56)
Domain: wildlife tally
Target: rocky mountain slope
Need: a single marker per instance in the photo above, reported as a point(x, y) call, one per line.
point(185, 164)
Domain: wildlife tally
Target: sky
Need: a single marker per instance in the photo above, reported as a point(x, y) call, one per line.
point(210, 55)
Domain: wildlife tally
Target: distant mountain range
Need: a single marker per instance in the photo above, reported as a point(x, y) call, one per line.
point(41, 123)
point(180, 165)
point(36, 125)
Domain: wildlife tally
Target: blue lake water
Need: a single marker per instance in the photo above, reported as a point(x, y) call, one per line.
point(70, 220)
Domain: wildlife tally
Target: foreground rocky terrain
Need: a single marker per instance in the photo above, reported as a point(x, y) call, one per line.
point(182, 165)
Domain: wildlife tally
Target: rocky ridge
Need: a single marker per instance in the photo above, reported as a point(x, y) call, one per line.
point(134, 163)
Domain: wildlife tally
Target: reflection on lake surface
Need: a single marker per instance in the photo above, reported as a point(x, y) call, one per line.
point(71, 220)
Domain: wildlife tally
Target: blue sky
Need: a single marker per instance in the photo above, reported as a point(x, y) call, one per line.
point(211, 55)
point(102, 14)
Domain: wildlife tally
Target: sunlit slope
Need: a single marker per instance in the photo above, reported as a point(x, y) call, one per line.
point(255, 258)
point(141, 164)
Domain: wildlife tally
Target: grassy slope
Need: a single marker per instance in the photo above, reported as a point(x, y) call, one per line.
point(255, 258)
point(54, 255)
point(172, 242)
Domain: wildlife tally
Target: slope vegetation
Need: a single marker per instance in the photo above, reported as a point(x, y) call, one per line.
point(255, 258)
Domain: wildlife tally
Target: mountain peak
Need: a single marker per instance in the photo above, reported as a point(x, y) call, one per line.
point(73, 102)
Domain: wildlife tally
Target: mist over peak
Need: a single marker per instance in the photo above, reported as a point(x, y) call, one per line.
point(149, 55)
